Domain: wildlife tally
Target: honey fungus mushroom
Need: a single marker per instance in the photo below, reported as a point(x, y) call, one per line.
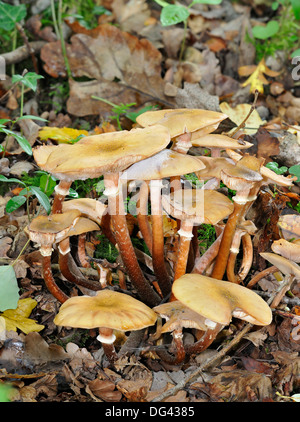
point(48, 230)
point(220, 300)
point(163, 165)
point(216, 143)
point(181, 123)
point(108, 311)
point(194, 207)
point(109, 154)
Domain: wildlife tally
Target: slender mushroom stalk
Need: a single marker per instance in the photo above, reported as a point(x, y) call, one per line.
point(46, 231)
point(108, 311)
point(61, 191)
point(203, 262)
point(244, 237)
point(118, 218)
point(81, 252)
point(242, 179)
point(142, 215)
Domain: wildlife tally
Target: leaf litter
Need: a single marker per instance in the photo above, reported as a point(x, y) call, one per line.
point(137, 62)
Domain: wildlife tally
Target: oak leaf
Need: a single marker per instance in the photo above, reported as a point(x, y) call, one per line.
point(257, 80)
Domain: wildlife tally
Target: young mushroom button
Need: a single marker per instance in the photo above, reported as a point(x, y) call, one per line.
point(108, 311)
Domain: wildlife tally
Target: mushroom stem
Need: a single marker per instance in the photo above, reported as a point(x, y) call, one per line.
point(158, 254)
point(286, 285)
point(205, 341)
point(117, 212)
point(179, 349)
point(142, 215)
point(50, 282)
point(207, 258)
point(65, 261)
point(186, 234)
point(107, 338)
point(228, 234)
point(262, 274)
point(247, 257)
point(61, 191)
point(81, 251)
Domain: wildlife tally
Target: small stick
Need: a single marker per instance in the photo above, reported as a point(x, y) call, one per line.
point(243, 123)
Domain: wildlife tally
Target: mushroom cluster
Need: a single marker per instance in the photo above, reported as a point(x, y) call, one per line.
point(155, 157)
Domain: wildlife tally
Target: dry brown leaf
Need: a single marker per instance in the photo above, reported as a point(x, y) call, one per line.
point(105, 390)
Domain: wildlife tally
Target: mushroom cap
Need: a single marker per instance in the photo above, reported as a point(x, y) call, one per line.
point(95, 155)
point(181, 120)
point(88, 207)
point(46, 230)
point(213, 167)
point(179, 316)
point(107, 309)
point(287, 249)
point(284, 265)
point(166, 163)
point(240, 176)
point(219, 300)
point(83, 225)
point(218, 141)
point(269, 176)
point(198, 205)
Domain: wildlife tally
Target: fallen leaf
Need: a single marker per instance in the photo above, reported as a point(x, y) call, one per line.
point(61, 135)
point(257, 79)
point(239, 113)
point(264, 144)
point(105, 390)
point(18, 318)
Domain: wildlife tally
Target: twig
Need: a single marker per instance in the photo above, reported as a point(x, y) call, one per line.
point(29, 48)
point(22, 53)
point(205, 365)
point(243, 123)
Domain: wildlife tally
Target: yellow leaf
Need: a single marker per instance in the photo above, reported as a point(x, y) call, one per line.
point(238, 114)
point(18, 318)
point(63, 135)
point(257, 79)
point(169, 226)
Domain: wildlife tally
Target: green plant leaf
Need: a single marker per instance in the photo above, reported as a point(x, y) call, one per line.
point(14, 203)
point(29, 79)
point(264, 32)
point(9, 289)
point(12, 180)
point(22, 141)
point(272, 165)
point(10, 15)
point(296, 8)
point(296, 53)
point(29, 116)
point(47, 184)
point(296, 171)
point(42, 198)
point(173, 14)
point(212, 2)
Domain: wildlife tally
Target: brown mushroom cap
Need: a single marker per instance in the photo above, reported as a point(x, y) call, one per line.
point(166, 163)
point(269, 176)
point(198, 205)
point(46, 230)
point(213, 167)
point(243, 174)
point(180, 316)
point(108, 309)
point(284, 265)
point(218, 141)
point(287, 249)
point(95, 155)
point(88, 207)
point(219, 300)
point(180, 121)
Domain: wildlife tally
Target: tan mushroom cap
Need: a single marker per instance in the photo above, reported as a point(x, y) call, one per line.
point(88, 207)
point(287, 249)
point(269, 176)
point(180, 316)
point(241, 176)
point(213, 167)
point(95, 155)
point(181, 120)
point(166, 163)
point(198, 205)
point(219, 300)
point(108, 309)
point(218, 141)
point(46, 230)
point(284, 265)
point(83, 225)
